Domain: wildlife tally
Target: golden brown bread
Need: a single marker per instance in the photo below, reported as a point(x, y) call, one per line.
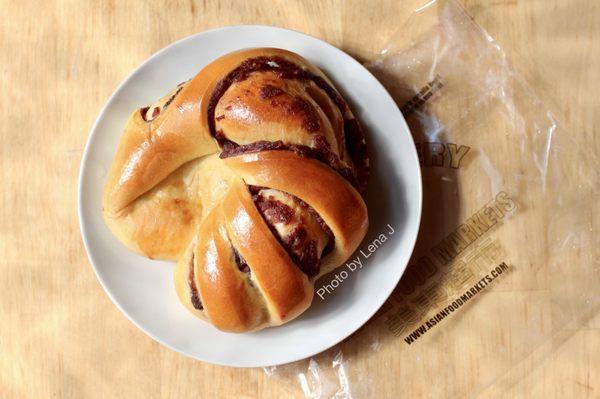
point(249, 175)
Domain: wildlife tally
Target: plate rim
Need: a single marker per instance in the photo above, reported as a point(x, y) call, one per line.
point(84, 229)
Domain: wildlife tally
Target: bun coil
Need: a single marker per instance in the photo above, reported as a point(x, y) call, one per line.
point(250, 176)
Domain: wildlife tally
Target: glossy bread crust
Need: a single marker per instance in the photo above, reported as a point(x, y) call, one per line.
point(247, 176)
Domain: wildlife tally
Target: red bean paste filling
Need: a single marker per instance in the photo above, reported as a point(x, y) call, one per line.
point(304, 256)
point(157, 110)
point(355, 143)
point(195, 298)
point(240, 262)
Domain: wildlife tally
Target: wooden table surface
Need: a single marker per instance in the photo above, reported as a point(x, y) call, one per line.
point(60, 335)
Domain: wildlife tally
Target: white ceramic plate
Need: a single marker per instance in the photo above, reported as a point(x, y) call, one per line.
point(143, 289)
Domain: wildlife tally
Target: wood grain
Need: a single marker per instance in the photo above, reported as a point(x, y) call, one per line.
point(60, 336)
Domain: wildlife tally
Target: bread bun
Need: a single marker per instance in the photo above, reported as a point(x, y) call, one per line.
point(250, 176)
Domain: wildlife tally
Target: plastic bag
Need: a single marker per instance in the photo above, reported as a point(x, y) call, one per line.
point(504, 190)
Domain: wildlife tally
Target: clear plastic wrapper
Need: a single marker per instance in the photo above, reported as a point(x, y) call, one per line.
point(506, 215)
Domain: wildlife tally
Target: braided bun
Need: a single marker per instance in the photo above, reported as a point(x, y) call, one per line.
point(249, 175)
